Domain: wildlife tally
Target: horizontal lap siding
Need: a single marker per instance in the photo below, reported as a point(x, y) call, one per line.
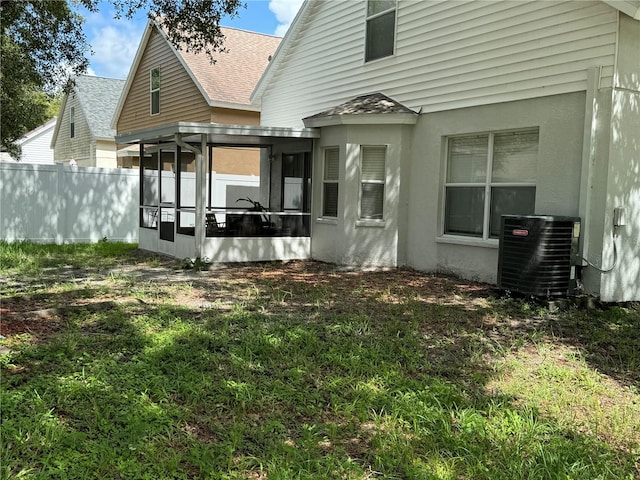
point(80, 146)
point(448, 55)
point(180, 98)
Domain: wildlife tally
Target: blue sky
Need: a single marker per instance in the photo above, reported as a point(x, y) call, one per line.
point(115, 42)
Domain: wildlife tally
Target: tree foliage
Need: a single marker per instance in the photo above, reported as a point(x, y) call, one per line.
point(43, 45)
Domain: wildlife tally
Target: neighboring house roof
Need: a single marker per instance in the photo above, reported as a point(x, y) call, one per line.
point(98, 98)
point(305, 16)
point(227, 83)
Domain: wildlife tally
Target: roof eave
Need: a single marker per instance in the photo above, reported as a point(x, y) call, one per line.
point(629, 8)
point(361, 119)
point(56, 130)
point(235, 106)
point(168, 131)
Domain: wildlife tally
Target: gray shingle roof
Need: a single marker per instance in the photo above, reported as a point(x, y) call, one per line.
point(366, 104)
point(99, 97)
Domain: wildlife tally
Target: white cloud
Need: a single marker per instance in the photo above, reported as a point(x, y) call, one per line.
point(285, 11)
point(114, 47)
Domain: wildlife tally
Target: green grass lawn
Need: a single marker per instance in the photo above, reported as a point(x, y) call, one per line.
point(118, 365)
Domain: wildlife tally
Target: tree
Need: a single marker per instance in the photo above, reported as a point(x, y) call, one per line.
point(43, 45)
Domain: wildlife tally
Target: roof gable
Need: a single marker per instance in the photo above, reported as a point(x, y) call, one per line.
point(227, 83)
point(98, 98)
point(305, 17)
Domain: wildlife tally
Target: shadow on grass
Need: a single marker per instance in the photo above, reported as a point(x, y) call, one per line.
point(305, 375)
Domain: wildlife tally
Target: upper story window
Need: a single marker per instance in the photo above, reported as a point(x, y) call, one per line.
point(154, 89)
point(372, 180)
point(330, 182)
point(72, 122)
point(489, 175)
point(381, 29)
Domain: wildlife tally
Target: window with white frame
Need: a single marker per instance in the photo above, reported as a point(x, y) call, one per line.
point(372, 179)
point(381, 29)
point(154, 89)
point(489, 175)
point(72, 122)
point(330, 182)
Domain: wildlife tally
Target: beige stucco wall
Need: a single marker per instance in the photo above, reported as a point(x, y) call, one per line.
point(105, 156)
point(231, 116)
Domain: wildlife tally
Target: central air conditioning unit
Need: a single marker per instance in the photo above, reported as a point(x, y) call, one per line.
point(538, 254)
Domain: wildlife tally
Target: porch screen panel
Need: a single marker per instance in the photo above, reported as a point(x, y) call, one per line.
point(187, 193)
point(149, 190)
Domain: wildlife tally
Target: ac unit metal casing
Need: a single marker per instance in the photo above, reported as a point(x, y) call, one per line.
point(537, 254)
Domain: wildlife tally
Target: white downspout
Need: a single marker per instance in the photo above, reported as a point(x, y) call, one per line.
point(588, 157)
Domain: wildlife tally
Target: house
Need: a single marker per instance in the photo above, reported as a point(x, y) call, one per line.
point(420, 123)
point(169, 86)
point(83, 135)
point(35, 145)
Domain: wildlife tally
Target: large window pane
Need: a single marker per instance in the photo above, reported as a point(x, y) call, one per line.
point(330, 182)
point(464, 211)
point(380, 36)
point(330, 204)
point(515, 157)
point(510, 201)
point(372, 201)
point(468, 159)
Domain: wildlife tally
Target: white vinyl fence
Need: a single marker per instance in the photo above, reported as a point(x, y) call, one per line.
point(64, 204)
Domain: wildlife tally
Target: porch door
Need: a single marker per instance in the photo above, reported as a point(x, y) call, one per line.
point(296, 192)
point(167, 199)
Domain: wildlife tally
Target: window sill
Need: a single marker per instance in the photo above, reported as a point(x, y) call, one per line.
point(371, 223)
point(327, 220)
point(468, 241)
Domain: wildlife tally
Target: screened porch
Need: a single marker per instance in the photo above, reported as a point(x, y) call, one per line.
point(227, 193)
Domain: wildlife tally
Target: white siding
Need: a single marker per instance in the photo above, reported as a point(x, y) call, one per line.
point(38, 149)
point(449, 54)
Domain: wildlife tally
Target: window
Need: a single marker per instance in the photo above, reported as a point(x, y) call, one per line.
point(72, 123)
point(372, 178)
point(330, 183)
point(154, 88)
point(488, 176)
point(381, 29)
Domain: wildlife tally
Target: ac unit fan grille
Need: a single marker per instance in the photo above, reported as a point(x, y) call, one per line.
point(535, 254)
